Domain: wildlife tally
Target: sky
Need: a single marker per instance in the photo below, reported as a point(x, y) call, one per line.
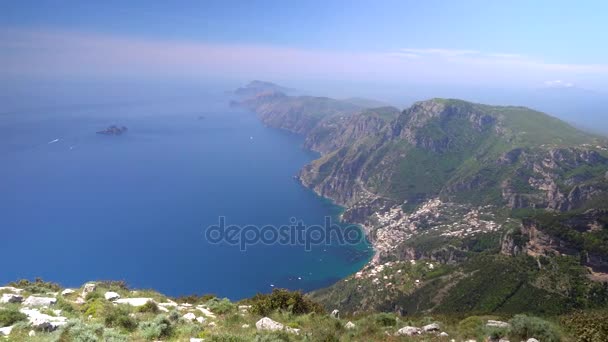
point(500, 44)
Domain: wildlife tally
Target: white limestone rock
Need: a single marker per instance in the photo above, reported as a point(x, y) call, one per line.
point(11, 298)
point(111, 296)
point(32, 301)
point(67, 292)
point(408, 331)
point(201, 319)
point(189, 316)
point(44, 322)
point(6, 331)
point(532, 340)
point(270, 325)
point(335, 313)
point(134, 301)
point(88, 288)
point(431, 327)
point(350, 325)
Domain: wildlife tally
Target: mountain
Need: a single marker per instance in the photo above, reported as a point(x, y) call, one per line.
point(457, 185)
point(259, 87)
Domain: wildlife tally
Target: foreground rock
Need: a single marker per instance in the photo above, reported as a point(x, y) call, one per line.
point(408, 331)
point(39, 301)
point(11, 298)
point(43, 322)
point(6, 331)
point(350, 325)
point(270, 325)
point(111, 296)
point(431, 328)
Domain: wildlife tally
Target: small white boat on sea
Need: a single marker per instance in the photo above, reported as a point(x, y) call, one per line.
point(53, 141)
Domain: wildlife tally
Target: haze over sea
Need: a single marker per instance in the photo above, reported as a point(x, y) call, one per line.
point(77, 206)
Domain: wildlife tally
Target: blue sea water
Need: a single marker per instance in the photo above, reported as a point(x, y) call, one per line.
point(78, 206)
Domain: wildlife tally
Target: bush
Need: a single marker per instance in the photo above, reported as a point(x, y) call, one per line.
point(94, 307)
point(220, 306)
point(78, 331)
point(386, 320)
point(111, 335)
point(525, 327)
point(10, 316)
point(36, 286)
point(158, 328)
point(118, 317)
point(93, 296)
point(587, 326)
point(195, 299)
point(150, 307)
point(280, 299)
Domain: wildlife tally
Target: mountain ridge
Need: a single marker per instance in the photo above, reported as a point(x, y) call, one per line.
point(444, 179)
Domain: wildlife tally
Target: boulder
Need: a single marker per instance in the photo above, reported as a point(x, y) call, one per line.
point(196, 339)
point(532, 340)
point(6, 331)
point(350, 325)
point(431, 327)
point(270, 325)
point(335, 313)
point(245, 326)
point(111, 296)
point(443, 334)
point(32, 333)
point(67, 292)
point(39, 301)
point(88, 288)
point(11, 289)
point(201, 319)
point(134, 301)
point(408, 331)
point(497, 324)
point(11, 298)
point(44, 322)
point(189, 316)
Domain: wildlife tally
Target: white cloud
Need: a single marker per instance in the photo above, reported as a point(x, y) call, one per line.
point(558, 84)
point(44, 53)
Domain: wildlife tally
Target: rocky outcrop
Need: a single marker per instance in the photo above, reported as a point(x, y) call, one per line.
point(270, 325)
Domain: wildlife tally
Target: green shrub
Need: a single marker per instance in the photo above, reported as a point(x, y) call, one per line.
point(78, 331)
point(36, 286)
point(220, 306)
point(149, 307)
point(386, 320)
point(285, 300)
point(158, 328)
point(587, 326)
point(118, 317)
point(94, 307)
point(93, 296)
point(111, 335)
point(10, 316)
point(525, 327)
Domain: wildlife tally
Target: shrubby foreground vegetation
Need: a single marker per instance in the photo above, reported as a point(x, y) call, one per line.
point(90, 316)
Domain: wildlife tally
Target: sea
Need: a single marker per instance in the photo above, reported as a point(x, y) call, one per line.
point(76, 206)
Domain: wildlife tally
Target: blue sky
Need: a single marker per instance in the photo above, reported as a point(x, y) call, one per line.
point(502, 43)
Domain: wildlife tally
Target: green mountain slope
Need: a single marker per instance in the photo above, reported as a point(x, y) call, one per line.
point(482, 192)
